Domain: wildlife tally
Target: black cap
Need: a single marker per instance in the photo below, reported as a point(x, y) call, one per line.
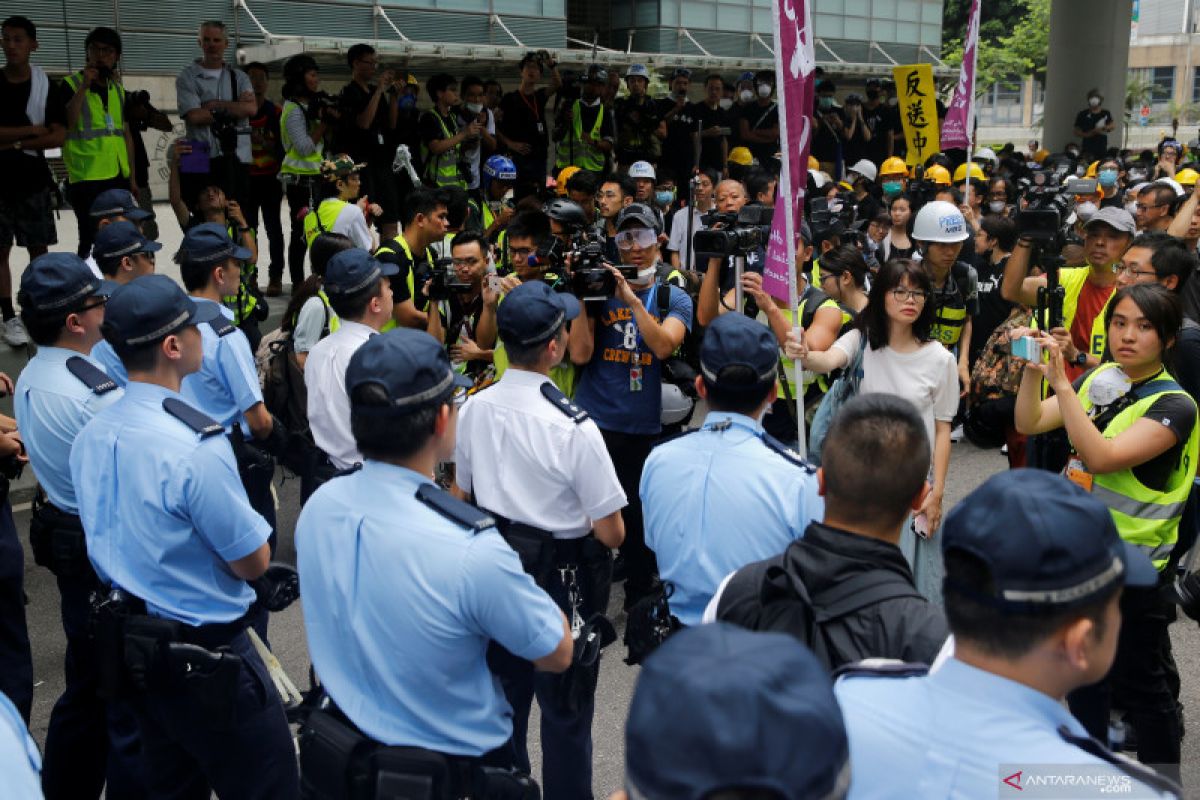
point(209, 243)
point(57, 282)
point(639, 212)
point(150, 308)
point(1046, 542)
point(120, 239)
point(735, 340)
point(118, 203)
point(411, 368)
point(532, 312)
point(353, 270)
point(720, 707)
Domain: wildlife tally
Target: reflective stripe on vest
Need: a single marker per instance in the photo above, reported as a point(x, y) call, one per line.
point(293, 162)
point(323, 219)
point(244, 302)
point(408, 280)
point(95, 148)
point(335, 321)
point(578, 153)
point(444, 167)
point(1072, 280)
point(1144, 517)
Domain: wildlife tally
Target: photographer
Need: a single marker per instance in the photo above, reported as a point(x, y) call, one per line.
point(462, 309)
point(341, 210)
point(473, 109)
point(443, 141)
point(858, 133)
point(640, 130)
point(523, 126)
point(758, 123)
point(585, 133)
point(424, 219)
point(306, 113)
point(690, 219)
point(215, 100)
point(623, 342)
point(678, 158)
point(265, 191)
point(369, 115)
point(830, 130)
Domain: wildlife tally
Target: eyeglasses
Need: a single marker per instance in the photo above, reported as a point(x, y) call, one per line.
point(1137, 273)
point(100, 301)
point(826, 274)
point(466, 262)
point(520, 252)
point(636, 237)
point(903, 295)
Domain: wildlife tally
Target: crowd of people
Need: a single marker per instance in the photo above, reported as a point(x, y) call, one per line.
point(487, 377)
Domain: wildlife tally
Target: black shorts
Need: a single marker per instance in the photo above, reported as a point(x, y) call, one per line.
point(29, 220)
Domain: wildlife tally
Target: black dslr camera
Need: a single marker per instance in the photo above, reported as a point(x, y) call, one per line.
point(739, 234)
point(445, 281)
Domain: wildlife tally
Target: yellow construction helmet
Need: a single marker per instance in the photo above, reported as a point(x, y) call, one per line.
point(976, 174)
point(1091, 170)
point(1187, 177)
point(894, 166)
point(813, 163)
point(741, 156)
point(560, 183)
point(1041, 155)
point(938, 174)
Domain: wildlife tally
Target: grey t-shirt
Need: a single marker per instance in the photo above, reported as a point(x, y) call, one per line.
point(197, 84)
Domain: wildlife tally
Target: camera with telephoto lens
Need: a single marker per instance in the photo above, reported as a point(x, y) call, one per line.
point(445, 281)
point(1185, 593)
point(226, 128)
point(323, 106)
point(749, 230)
point(591, 279)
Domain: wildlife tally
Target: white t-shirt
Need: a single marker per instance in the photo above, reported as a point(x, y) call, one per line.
point(352, 224)
point(677, 241)
point(927, 378)
point(471, 154)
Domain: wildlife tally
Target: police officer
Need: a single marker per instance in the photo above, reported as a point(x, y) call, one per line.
point(58, 392)
point(20, 760)
point(122, 253)
point(715, 499)
point(169, 529)
point(403, 585)
point(1034, 571)
point(538, 464)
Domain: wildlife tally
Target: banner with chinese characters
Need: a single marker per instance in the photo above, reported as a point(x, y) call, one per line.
point(956, 132)
point(917, 104)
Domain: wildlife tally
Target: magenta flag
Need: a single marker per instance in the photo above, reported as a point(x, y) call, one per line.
point(956, 130)
point(794, 65)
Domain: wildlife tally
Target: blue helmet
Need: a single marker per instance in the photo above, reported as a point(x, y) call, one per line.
point(498, 168)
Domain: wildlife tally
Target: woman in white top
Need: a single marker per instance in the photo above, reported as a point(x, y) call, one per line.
point(898, 242)
point(308, 317)
point(901, 359)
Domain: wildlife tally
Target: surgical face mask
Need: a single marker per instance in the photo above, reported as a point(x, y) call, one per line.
point(725, 103)
point(664, 198)
point(1107, 178)
point(595, 101)
point(646, 275)
point(764, 90)
point(745, 95)
point(1093, 101)
point(996, 206)
point(1131, 207)
point(474, 108)
point(892, 187)
point(825, 102)
point(1086, 211)
point(1073, 153)
point(893, 102)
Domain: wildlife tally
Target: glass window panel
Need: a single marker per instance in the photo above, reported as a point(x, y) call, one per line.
point(829, 25)
point(857, 28)
point(860, 8)
point(733, 18)
point(883, 30)
point(885, 9)
point(698, 15)
point(908, 10)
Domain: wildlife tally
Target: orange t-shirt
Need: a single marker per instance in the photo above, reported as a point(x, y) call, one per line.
point(1091, 303)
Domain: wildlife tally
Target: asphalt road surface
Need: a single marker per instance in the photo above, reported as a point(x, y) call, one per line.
point(969, 467)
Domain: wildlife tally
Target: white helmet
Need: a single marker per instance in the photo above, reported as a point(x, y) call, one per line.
point(1174, 184)
point(867, 169)
point(986, 154)
point(676, 406)
point(939, 221)
point(821, 179)
point(638, 71)
point(642, 169)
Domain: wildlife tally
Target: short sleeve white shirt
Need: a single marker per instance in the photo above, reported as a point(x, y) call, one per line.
point(328, 403)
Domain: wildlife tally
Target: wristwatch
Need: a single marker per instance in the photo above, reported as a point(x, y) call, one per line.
point(1080, 359)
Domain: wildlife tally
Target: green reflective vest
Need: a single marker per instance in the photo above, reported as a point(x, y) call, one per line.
point(390, 247)
point(293, 162)
point(322, 220)
point(442, 170)
point(576, 152)
point(95, 148)
point(245, 301)
point(1145, 517)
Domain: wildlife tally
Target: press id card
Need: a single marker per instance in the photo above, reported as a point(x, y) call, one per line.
point(1078, 474)
point(635, 378)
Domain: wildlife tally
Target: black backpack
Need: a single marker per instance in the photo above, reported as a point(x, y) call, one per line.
point(765, 596)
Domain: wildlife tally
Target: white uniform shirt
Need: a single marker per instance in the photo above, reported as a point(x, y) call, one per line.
point(528, 461)
point(328, 403)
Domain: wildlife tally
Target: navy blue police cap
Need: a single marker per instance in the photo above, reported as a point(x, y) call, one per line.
point(410, 366)
point(118, 203)
point(353, 270)
point(209, 243)
point(122, 239)
point(1046, 543)
point(150, 308)
point(735, 340)
point(58, 282)
point(532, 312)
point(705, 698)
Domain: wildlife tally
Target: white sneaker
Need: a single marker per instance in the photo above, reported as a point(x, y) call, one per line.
point(956, 434)
point(14, 333)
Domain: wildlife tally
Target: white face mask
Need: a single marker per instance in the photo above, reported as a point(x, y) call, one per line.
point(725, 103)
point(1131, 207)
point(1085, 211)
point(745, 95)
point(996, 206)
point(764, 90)
point(474, 108)
point(1093, 101)
point(892, 101)
point(595, 101)
point(645, 276)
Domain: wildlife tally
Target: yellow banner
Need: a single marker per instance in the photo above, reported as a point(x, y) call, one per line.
point(917, 103)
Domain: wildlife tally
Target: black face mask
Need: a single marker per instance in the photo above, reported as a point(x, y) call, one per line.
point(872, 94)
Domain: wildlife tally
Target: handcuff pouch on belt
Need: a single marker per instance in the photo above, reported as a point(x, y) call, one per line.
point(251, 458)
point(337, 762)
point(57, 541)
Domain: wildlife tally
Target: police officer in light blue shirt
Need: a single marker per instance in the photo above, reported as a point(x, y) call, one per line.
point(20, 761)
point(58, 392)
point(1034, 571)
point(168, 524)
point(728, 494)
point(403, 585)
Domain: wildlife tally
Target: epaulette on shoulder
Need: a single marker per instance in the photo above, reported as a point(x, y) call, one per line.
point(457, 511)
point(788, 453)
point(198, 421)
point(222, 325)
point(563, 403)
point(881, 668)
point(90, 375)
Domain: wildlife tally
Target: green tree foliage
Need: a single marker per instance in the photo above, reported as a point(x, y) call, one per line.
point(1014, 38)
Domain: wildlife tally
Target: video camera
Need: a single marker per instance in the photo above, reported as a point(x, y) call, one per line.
point(445, 281)
point(739, 234)
point(323, 106)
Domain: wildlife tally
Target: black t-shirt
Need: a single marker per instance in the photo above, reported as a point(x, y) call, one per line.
point(855, 148)
point(636, 124)
point(1175, 411)
point(877, 122)
point(421, 271)
point(993, 309)
point(25, 175)
point(368, 144)
point(761, 118)
point(826, 137)
point(432, 129)
point(1086, 120)
point(711, 154)
point(1187, 358)
point(677, 148)
point(523, 119)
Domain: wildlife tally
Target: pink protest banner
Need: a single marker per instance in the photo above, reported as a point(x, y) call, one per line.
point(956, 130)
point(794, 64)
